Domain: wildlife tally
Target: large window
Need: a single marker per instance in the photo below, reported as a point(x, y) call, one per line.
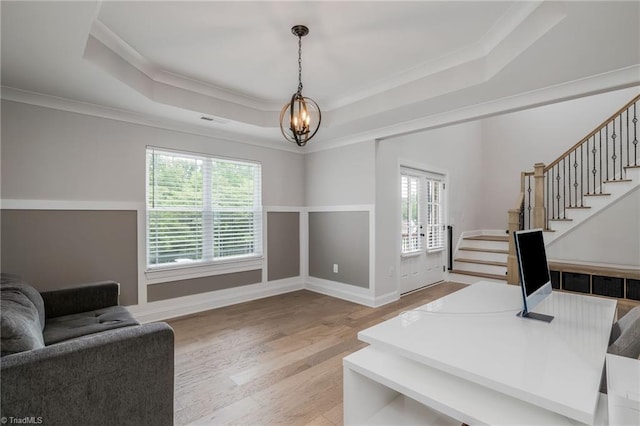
point(422, 217)
point(201, 209)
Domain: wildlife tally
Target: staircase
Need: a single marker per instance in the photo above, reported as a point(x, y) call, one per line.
point(481, 255)
point(588, 178)
point(592, 175)
point(612, 191)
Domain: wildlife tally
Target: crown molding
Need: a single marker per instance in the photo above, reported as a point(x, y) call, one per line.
point(609, 81)
point(85, 108)
point(606, 82)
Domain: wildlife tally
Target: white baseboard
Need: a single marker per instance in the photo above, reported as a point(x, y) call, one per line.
point(348, 292)
point(187, 305)
point(386, 298)
point(165, 309)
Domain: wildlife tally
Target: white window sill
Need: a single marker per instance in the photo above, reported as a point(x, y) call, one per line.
point(187, 271)
point(435, 250)
point(412, 253)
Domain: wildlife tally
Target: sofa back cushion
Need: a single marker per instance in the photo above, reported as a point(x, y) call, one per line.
point(14, 282)
point(20, 328)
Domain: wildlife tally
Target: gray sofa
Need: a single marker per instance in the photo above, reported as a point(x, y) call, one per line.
point(74, 356)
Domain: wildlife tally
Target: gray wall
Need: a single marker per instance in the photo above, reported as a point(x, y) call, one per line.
point(283, 245)
point(170, 290)
point(341, 176)
point(55, 155)
point(340, 238)
point(52, 249)
point(50, 154)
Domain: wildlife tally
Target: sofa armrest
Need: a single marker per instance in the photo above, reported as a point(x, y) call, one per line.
point(82, 298)
point(123, 376)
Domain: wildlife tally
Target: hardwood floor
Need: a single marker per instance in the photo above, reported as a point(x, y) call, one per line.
point(276, 360)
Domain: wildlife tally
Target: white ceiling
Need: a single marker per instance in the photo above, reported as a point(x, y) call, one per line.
point(375, 68)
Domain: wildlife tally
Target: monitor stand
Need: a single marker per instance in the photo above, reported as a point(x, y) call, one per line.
point(535, 316)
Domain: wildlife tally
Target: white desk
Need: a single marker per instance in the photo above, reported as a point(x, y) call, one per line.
point(623, 386)
point(473, 339)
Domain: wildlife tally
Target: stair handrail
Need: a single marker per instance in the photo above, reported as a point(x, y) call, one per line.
point(585, 168)
point(551, 203)
point(590, 135)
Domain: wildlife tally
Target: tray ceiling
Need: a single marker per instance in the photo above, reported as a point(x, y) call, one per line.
point(374, 67)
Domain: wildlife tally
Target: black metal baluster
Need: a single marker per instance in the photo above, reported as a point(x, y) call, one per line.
point(600, 157)
point(587, 175)
point(557, 192)
point(613, 146)
point(594, 151)
point(546, 219)
point(628, 151)
point(553, 194)
point(568, 183)
point(564, 188)
point(557, 200)
point(582, 172)
point(635, 136)
point(575, 177)
point(621, 154)
point(606, 146)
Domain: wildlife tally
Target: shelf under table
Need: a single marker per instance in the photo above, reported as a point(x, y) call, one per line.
point(385, 388)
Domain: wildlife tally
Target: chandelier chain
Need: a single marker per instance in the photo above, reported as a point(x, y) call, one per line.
point(299, 64)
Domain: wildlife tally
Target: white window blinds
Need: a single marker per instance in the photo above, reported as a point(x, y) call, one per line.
point(435, 227)
point(411, 214)
point(201, 209)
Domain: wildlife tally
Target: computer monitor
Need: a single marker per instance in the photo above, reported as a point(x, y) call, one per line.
point(535, 279)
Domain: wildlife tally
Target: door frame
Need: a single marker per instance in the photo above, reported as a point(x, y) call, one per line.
point(423, 168)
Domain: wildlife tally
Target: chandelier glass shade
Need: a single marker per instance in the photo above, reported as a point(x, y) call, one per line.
point(300, 118)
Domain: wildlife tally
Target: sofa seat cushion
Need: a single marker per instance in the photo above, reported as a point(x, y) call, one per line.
point(68, 327)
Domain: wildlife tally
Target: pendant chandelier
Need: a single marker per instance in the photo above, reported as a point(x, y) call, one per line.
point(300, 118)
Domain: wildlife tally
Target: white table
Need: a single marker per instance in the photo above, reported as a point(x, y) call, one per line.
point(470, 357)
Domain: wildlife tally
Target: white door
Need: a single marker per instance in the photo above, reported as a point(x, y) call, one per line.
point(423, 245)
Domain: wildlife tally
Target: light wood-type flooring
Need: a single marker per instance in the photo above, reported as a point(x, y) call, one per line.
point(276, 360)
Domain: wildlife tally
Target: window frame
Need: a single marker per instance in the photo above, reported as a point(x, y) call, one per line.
point(430, 225)
point(438, 226)
point(417, 248)
point(204, 266)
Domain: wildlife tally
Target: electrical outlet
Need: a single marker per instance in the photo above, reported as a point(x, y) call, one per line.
point(335, 268)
